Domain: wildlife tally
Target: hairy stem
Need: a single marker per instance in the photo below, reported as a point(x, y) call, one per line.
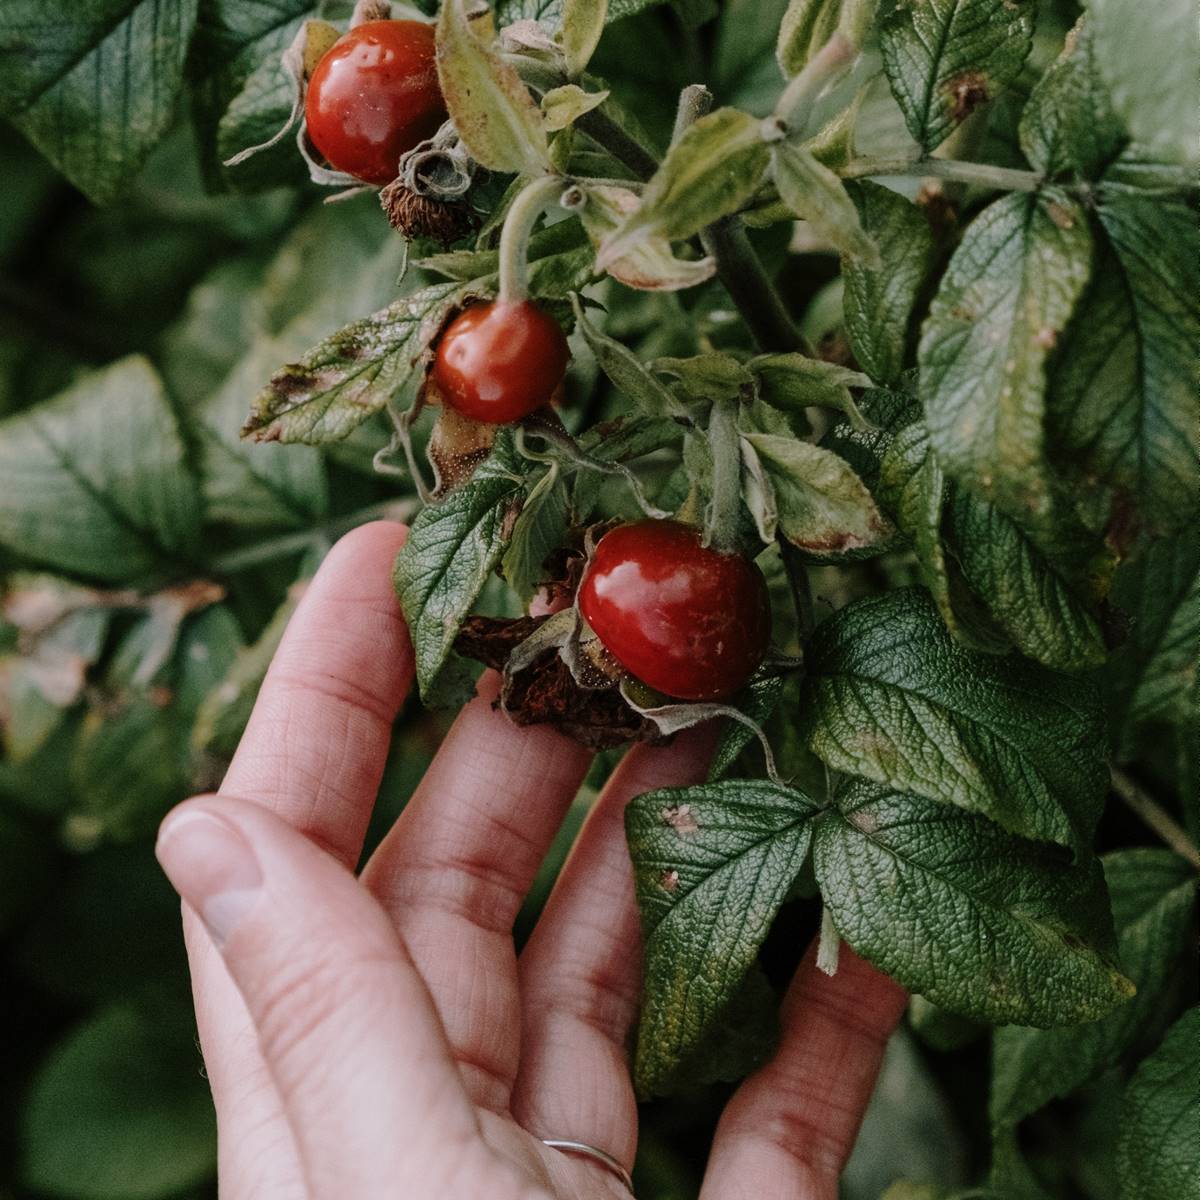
point(1005, 178)
point(522, 216)
point(694, 102)
point(1155, 817)
point(626, 149)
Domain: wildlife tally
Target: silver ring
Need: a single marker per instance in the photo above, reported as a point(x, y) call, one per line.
point(595, 1153)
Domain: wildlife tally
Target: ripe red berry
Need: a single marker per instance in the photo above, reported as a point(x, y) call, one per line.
point(498, 361)
point(373, 96)
point(687, 620)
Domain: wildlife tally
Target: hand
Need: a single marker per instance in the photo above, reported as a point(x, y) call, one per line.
point(378, 1036)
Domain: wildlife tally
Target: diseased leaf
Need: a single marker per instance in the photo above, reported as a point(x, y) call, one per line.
point(1154, 902)
point(982, 923)
point(550, 12)
point(1147, 56)
point(1158, 1155)
point(944, 58)
point(94, 88)
point(452, 549)
point(822, 504)
point(713, 170)
point(1122, 402)
point(891, 696)
point(815, 194)
point(712, 864)
point(1153, 677)
point(97, 480)
point(492, 110)
point(1068, 124)
point(879, 301)
point(1005, 299)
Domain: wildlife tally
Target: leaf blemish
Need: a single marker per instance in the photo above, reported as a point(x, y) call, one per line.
point(1046, 337)
point(669, 881)
point(681, 819)
point(966, 91)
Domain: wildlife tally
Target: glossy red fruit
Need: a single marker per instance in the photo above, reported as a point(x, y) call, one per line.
point(373, 96)
point(498, 362)
point(689, 621)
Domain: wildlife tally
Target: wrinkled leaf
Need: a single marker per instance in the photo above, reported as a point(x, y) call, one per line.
point(540, 529)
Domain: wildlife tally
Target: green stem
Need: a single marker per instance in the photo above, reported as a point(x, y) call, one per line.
point(801, 589)
point(1155, 817)
point(725, 504)
point(1005, 178)
point(522, 216)
point(273, 549)
point(694, 102)
point(604, 131)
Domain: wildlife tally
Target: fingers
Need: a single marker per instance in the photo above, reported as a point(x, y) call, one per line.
point(455, 868)
point(790, 1127)
point(345, 1026)
point(317, 742)
point(581, 970)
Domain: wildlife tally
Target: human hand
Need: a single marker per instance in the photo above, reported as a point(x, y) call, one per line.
point(378, 1036)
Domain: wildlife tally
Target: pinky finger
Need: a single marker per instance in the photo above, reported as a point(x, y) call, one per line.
point(790, 1127)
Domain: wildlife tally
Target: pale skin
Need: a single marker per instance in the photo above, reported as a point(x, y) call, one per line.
point(377, 1035)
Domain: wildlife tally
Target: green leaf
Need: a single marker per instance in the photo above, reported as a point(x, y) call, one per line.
point(758, 701)
point(712, 864)
point(944, 58)
point(1122, 403)
point(550, 12)
point(1158, 1156)
point(879, 301)
point(713, 170)
point(1154, 902)
point(119, 1110)
point(1148, 56)
point(582, 24)
point(979, 922)
point(822, 504)
point(563, 106)
point(492, 110)
point(540, 529)
point(793, 382)
point(1153, 676)
point(1068, 125)
point(452, 549)
point(94, 88)
point(806, 26)
point(891, 696)
point(1004, 301)
point(815, 194)
point(349, 376)
point(97, 480)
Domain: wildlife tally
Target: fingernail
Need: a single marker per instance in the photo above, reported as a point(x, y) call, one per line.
point(210, 864)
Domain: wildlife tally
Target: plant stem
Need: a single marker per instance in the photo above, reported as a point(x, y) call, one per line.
point(1005, 178)
point(522, 216)
point(276, 548)
point(1155, 817)
point(694, 102)
point(801, 589)
point(603, 130)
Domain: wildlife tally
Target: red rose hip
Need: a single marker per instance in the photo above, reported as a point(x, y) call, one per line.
point(373, 96)
point(498, 361)
point(684, 619)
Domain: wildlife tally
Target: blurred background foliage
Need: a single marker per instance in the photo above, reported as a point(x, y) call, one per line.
point(145, 581)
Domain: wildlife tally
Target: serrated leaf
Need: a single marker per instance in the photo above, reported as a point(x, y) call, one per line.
point(97, 480)
point(452, 549)
point(1152, 677)
point(1003, 303)
point(1147, 56)
point(94, 89)
point(141, 1121)
point(1068, 125)
point(892, 697)
point(582, 24)
point(349, 376)
point(879, 302)
point(711, 171)
point(944, 58)
point(1122, 402)
point(540, 529)
point(794, 382)
point(815, 194)
point(492, 110)
point(1158, 1155)
point(1154, 902)
point(712, 864)
point(822, 504)
point(982, 923)
point(758, 701)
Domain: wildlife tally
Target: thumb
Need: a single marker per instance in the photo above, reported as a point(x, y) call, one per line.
point(346, 1026)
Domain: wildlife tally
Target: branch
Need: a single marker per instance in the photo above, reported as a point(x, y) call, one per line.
point(1156, 817)
point(1004, 178)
